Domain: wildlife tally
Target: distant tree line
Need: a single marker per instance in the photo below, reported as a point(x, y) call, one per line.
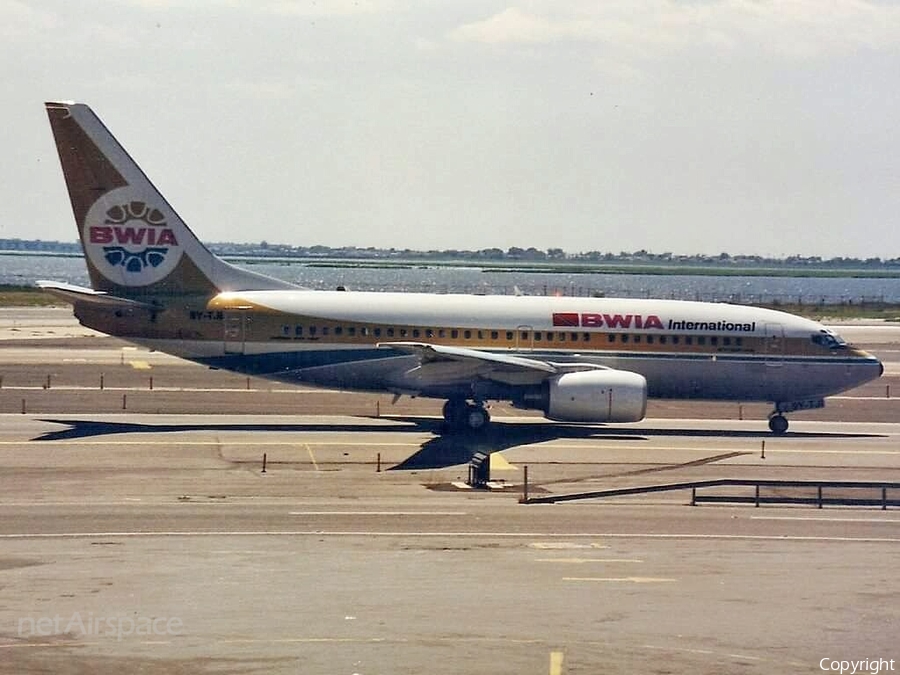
point(513, 254)
point(553, 255)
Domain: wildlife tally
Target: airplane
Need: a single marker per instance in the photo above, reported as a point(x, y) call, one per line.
point(583, 360)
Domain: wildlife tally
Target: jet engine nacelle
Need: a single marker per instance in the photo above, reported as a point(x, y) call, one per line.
point(597, 396)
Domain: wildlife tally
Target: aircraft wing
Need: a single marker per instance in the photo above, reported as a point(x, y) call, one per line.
point(81, 295)
point(444, 364)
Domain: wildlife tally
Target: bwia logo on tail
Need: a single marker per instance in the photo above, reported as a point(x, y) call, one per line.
point(130, 242)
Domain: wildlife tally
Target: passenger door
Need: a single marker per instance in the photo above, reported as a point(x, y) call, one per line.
point(524, 338)
point(237, 325)
point(774, 344)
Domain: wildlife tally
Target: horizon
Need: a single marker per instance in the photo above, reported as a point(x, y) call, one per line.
point(554, 254)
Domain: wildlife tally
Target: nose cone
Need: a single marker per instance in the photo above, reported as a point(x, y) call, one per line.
point(873, 365)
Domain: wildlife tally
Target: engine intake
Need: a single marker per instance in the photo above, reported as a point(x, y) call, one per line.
point(596, 396)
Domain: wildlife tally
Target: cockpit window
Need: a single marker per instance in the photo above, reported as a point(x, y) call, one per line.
point(828, 339)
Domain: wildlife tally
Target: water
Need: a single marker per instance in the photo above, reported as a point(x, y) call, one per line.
point(27, 269)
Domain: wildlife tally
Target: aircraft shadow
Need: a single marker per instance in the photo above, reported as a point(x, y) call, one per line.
point(93, 428)
point(459, 448)
point(442, 450)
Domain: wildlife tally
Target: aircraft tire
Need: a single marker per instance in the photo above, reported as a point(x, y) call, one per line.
point(455, 412)
point(778, 424)
point(477, 418)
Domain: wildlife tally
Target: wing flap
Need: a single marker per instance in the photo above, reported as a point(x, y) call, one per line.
point(429, 353)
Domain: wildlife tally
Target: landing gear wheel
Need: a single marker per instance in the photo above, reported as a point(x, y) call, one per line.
point(778, 424)
point(477, 418)
point(455, 412)
point(462, 416)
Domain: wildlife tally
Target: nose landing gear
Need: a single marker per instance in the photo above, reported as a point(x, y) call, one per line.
point(778, 423)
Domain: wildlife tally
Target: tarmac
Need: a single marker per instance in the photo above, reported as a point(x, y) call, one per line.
point(141, 534)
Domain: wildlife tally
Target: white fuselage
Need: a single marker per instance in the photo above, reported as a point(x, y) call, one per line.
point(684, 349)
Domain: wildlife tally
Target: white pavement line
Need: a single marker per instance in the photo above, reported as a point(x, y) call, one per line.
point(563, 545)
point(849, 451)
point(863, 398)
point(579, 561)
point(377, 513)
point(828, 519)
point(631, 580)
point(474, 535)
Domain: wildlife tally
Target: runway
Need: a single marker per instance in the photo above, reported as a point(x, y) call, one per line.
point(142, 541)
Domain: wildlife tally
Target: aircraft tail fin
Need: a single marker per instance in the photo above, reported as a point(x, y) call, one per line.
point(135, 244)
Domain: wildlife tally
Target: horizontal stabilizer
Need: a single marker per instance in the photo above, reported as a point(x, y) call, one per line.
point(81, 295)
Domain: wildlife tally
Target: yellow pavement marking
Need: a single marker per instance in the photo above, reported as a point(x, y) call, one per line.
point(499, 463)
point(140, 365)
point(633, 580)
point(311, 456)
point(556, 663)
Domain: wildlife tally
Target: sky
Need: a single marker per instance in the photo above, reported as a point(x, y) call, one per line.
point(690, 126)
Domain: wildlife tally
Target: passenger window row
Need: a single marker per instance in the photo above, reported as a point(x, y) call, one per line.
point(702, 340)
point(524, 337)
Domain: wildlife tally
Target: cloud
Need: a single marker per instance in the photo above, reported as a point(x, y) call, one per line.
point(513, 25)
point(656, 28)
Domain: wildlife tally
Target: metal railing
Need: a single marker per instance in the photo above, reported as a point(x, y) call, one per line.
point(820, 498)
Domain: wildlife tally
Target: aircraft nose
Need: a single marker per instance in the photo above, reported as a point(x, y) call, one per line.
point(875, 360)
point(871, 363)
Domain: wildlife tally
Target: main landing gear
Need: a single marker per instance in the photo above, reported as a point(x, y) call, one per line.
point(460, 415)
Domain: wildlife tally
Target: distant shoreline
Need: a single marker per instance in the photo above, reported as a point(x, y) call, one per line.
point(823, 271)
